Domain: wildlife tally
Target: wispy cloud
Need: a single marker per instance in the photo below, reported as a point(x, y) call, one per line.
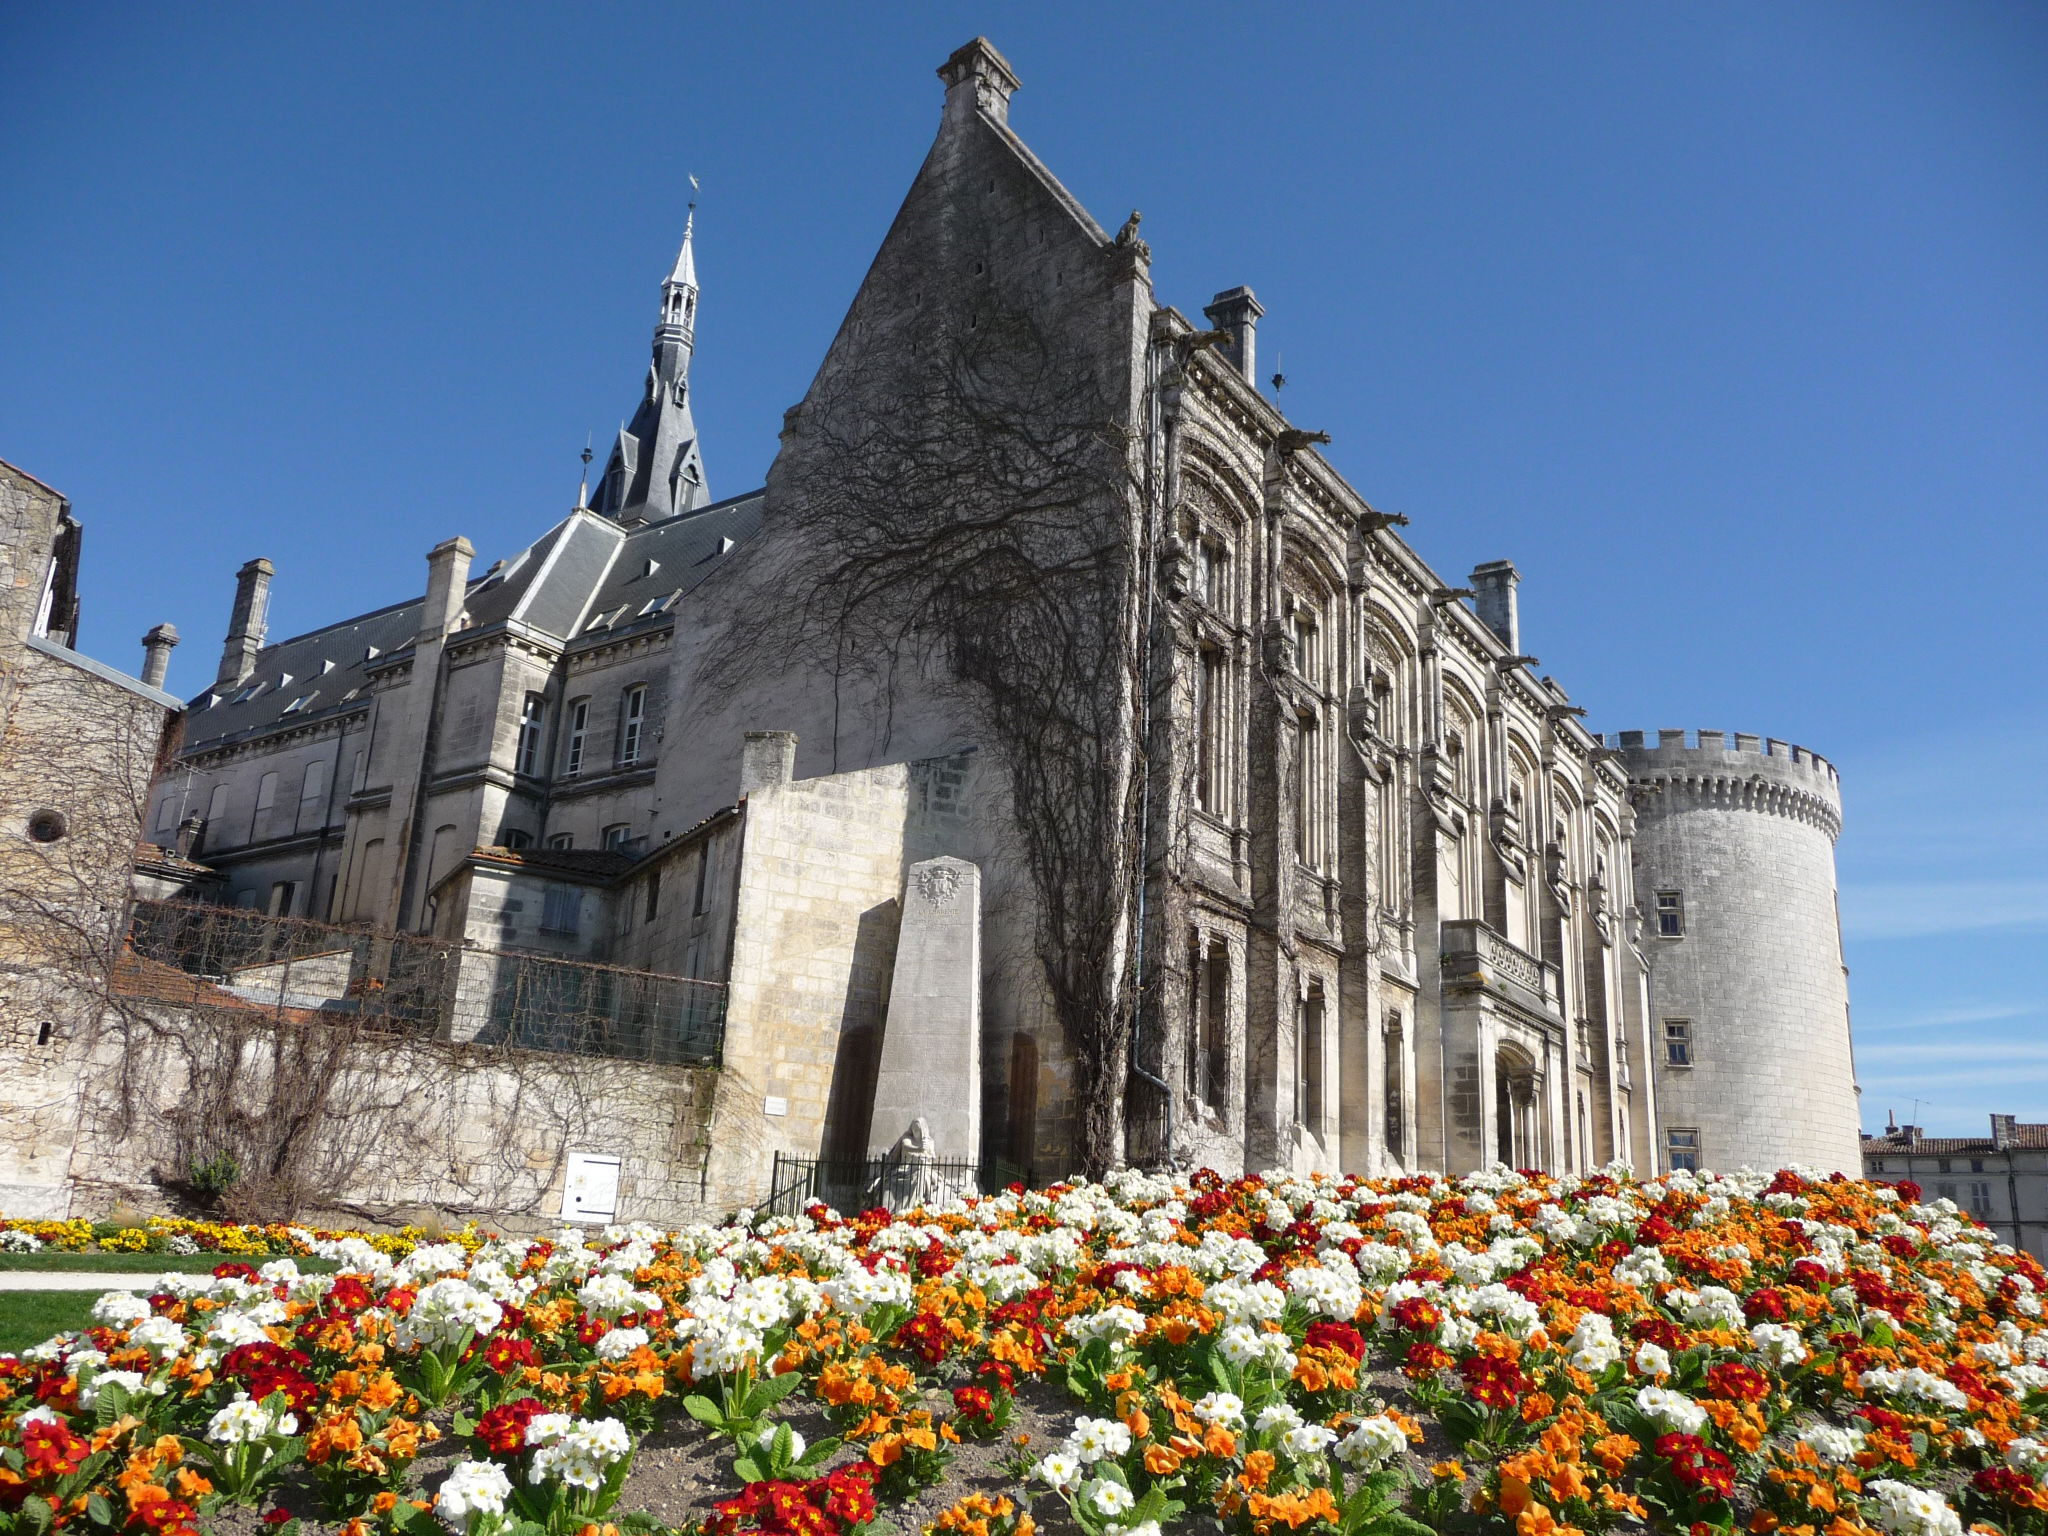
point(1942, 1018)
point(1921, 908)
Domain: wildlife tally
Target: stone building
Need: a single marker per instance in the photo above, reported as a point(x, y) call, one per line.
point(79, 745)
point(1389, 904)
point(2001, 1179)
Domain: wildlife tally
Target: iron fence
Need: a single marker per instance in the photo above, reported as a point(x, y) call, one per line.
point(858, 1184)
point(230, 958)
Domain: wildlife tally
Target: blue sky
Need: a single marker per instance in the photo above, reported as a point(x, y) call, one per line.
point(1726, 323)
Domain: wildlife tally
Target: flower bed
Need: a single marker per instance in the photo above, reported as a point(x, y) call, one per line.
point(1497, 1353)
point(172, 1234)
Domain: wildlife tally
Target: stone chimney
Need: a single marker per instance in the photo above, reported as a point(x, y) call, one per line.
point(156, 654)
point(246, 625)
point(447, 582)
point(978, 79)
point(1495, 584)
point(2002, 1132)
point(768, 757)
point(188, 834)
point(1237, 311)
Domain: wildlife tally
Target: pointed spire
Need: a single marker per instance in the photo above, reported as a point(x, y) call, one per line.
point(685, 273)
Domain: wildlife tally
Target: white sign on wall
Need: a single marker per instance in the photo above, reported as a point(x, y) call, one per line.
point(590, 1191)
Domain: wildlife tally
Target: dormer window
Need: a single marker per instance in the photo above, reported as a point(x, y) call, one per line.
point(649, 568)
point(299, 703)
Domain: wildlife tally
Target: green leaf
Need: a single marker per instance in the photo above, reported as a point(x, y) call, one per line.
point(38, 1514)
point(749, 1470)
point(704, 1411)
point(776, 1388)
point(464, 1424)
point(98, 1510)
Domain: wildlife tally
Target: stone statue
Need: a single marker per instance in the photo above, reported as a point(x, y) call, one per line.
point(910, 1176)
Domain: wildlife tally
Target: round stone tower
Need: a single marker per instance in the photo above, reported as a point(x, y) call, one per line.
point(1749, 1000)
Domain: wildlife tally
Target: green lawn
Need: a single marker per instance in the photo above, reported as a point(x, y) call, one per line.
point(29, 1317)
point(49, 1261)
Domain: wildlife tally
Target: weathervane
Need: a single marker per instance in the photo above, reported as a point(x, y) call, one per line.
point(1279, 378)
point(583, 490)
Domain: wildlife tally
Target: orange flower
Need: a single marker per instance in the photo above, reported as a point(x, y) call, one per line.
point(1161, 1461)
point(1258, 1469)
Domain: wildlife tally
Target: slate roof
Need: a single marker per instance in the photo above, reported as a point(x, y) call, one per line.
point(586, 576)
point(2025, 1138)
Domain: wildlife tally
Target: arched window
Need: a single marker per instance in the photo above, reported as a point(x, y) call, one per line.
point(1516, 1139)
point(313, 796)
point(1394, 1057)
point(266, 799)
point(1312, 1048)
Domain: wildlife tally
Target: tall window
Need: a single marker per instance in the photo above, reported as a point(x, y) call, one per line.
point(282, 896)
point(1311, 843)
point(1308, 646)
point(1682, 1147)
point(1212, 574)
point(313, 797)
point(1312, 1103)
point(166, 812)
point(1212, 690)
point(1980, 1201)
point(579, 731)
point(1678, 1042)
point(1208, 1020)
point(266, 799)
point(653, 907)
point(1394, 1058)
point(632, 721)
point(532, 717)
point(698, 897)
point(1670, 915)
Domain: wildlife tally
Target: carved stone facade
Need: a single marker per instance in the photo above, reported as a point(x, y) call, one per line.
point(1393, 896)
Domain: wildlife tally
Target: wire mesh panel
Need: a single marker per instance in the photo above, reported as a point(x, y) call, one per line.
point(411, 984)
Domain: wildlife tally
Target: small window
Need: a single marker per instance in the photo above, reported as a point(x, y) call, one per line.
point(703, 879)
point(1976, 1165)
point(561, 909)
point(512, 837)
point(561, 840)
point(1944, 1165)
point(1877, 1165)
point(532, 720)
point(632, 720)
point(1945, 1192)
point(282, 895)
point(1682, 1147)
point(579, 731)
point(652, 909)
point(299, 703)
point(45, 1032)
point(1678, 1042)
point(616, 835)
point(47, 826)
point(1670, 915)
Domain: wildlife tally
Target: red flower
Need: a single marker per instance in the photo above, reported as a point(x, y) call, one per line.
point(1339, 1336)
point(52, 1450)
point(505, 1355)
point(1766, 1305)
point(998, 1372)
point(277, 1517)
point(234, 1270)
point(1655, 1229)
point(171, 1517)
point(925, 1333)
point(2006, 1484)
point(503, 1428)
point(1659, 1331)
point(1417, 1314)
point(1424, 1357)
point(974, 1403)
point(1737, 1382)
point(1698, 1465)
point(1496, 1383)
point(348, 1294)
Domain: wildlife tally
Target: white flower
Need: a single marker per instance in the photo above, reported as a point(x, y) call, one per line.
point(14, 1240)
point(1832, 1444)
point(2025, 1454)
point(245, 1421)
point(1109, 1498)
point(608, 1295)
point(1276, 1416)
point(1094, 1439)
point(120, 1309)
point(444, 1312)
point(1375, 1440)
point(1116, 1323)
point(1225, 1408)
point(1239, 1345)
point(1905, 1510)
point(1059, 1471)
point(619, 1343)
point(1917, 1383)
point(1652, 1360)
point(164, 1339)
point(1673, 1410)
point(1593, 1344)
point(1777, 1345)
point(473, 1488)
point(577, 1451)
point(1308, 1440)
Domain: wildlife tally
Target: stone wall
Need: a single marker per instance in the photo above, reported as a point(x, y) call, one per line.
point(1744, 835)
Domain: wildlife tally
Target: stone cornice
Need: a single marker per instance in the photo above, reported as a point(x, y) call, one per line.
point(1706, 789)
